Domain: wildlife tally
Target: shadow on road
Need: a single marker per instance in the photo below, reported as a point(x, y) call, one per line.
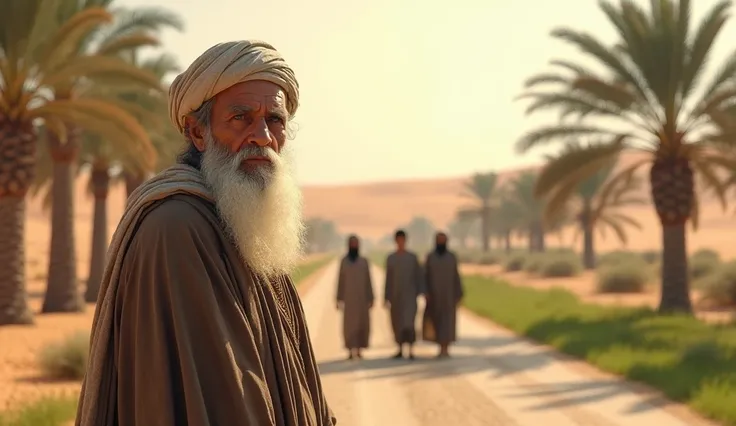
point(512, 363)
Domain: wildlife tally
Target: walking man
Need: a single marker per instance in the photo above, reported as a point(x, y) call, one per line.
point(355, 299)
point(404, 283)
point(444, 294)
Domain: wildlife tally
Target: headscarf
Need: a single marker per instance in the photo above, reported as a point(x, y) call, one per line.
point(225, 65)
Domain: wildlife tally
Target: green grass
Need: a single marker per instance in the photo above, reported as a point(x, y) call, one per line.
point(48, 411)
point(306, 269)
point(688, 360)
point(60, 410)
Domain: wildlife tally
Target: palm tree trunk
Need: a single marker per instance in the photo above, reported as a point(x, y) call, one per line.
point(101, 185)
point(588, 237)
point(675, 287)
point(13, 296)
point(132, 181)
point(507, 239)
point(485, 226)
point(673, 193)
point(541, 238)
point(62, 291)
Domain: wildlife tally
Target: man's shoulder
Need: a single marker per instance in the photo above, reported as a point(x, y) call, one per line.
point(178, 213)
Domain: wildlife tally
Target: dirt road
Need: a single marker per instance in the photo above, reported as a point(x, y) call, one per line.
point(493, 379)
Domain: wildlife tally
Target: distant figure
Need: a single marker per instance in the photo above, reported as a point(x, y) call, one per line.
point(444, 294)
point(404, 283)
point(198, 322)
point(355, 298)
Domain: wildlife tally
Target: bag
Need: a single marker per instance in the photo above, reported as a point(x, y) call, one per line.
point(429, 332)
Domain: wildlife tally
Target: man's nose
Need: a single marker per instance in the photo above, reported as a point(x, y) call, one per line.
point(260, 136)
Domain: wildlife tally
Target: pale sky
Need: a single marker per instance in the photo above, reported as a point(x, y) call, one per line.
point(403, 89)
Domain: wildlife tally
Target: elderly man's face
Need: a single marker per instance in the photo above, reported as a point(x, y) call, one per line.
point(252, 113)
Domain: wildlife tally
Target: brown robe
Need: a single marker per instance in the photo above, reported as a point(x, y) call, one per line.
point(355, 292)
point(404, 283)
point(195, 338)
point(444, 292)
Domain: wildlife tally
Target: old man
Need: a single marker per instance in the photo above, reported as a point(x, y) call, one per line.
point(444, 293)
point(198, 322)
point(404, 284)
point(355, 299)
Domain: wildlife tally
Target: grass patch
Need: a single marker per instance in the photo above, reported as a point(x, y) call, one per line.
point(308, 268)
point(67, 359)
point(48, 411)
point(688, 360)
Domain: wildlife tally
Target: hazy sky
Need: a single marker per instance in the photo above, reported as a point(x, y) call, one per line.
point(403, 89)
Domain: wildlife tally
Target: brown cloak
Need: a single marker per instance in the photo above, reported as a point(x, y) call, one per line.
point(185, 334)
point(355, 291)
point(444, 292)
point(404, 283)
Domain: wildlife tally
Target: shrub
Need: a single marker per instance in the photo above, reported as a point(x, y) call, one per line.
point(490, 258)
point(624, 277)
point(66, 359)
point(515, 262)
point(534, 262)
point(466, 256)
point(703, 263)
point(561, 265)
point(720, 286)
point(651, 256)
point(618, 257)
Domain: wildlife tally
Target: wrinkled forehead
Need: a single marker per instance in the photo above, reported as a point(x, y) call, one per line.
point(253, 96)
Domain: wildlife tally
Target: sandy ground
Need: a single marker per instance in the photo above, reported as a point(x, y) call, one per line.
point(584, 287)
point(20, 378)
point(493, 379)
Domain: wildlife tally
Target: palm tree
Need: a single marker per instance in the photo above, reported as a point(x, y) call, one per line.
point(462, 226)
point(506, 216)
point(598, 198)
point(646, 100)
point(529, 209)
point(131, 30)
point(481, 188)
point(37, 54)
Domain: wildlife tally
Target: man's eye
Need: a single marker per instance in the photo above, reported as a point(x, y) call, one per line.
point(276, 119)
point(239, 117)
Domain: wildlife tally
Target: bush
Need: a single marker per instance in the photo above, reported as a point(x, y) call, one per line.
point(561, 265)
point(720, 286)
point(534, 262)
point(515, 262)
point(651, 256)
point(624, 277)
point(703, 263)
point(66, 359)
point(490, 258)
point(466, 256)
point(618, 257)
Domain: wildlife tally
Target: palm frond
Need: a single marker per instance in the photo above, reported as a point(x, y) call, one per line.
point(96, 65)
point(556, 132)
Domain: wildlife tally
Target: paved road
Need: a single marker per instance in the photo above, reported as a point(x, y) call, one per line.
point(493, 379)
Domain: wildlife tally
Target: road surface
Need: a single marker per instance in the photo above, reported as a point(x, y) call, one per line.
point(493, 378)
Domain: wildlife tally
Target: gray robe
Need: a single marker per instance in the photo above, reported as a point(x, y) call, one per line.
point(444, 292)
point(404, 283)
point(355, 292)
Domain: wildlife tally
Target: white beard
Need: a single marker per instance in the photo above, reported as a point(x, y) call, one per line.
point(262, 211)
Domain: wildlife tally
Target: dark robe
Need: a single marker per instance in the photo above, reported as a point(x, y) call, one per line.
point(444, 292)
point(197, 338)
point(355, 292)
point(404, 283)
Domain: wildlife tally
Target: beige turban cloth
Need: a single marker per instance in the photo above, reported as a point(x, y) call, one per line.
point(225, 65)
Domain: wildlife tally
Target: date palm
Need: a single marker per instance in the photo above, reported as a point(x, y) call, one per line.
point(647, 96)
point(481, 188)
point(37, 53)
point(597, 199)
point(130, 30)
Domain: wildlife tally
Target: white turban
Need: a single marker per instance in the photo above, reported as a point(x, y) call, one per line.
point(225, 65)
